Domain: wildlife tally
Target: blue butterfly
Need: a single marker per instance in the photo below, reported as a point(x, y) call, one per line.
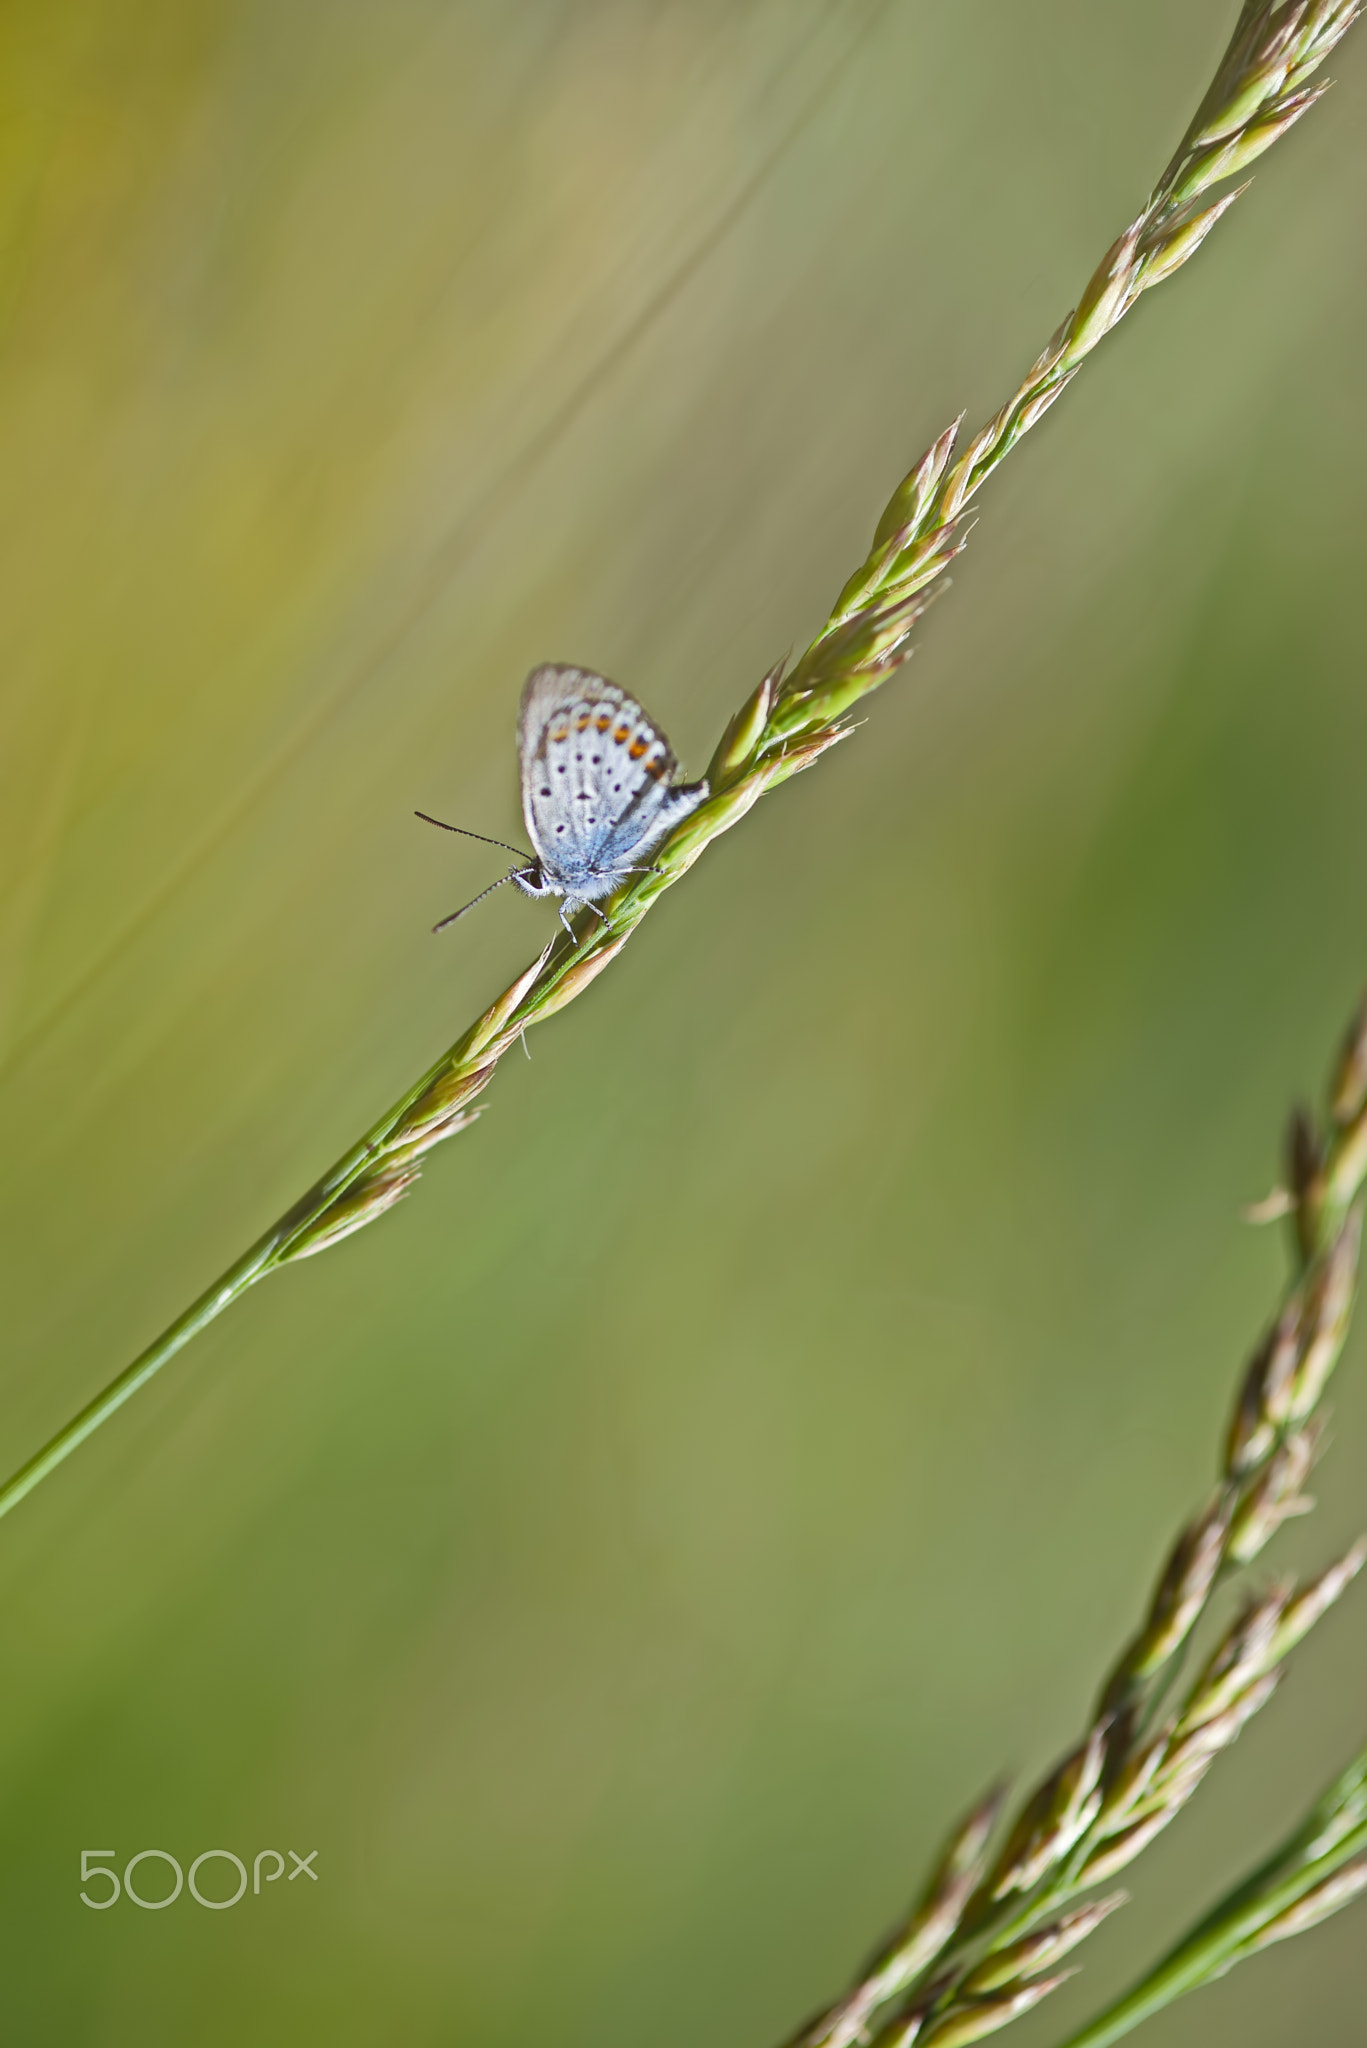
point(598, 794)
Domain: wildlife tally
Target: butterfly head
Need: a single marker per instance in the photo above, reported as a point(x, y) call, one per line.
point(532, 881)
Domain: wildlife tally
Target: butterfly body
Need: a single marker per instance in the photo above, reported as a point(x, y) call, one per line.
point(598, 788)
point(598, 794)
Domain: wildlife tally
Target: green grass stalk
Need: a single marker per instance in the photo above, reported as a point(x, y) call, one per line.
point(1258, 92)
point(971, 1956)
point(1319, 1869)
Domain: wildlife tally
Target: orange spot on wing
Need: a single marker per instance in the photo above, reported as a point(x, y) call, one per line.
point(561, 733)
point(604, 722)
point(623, 732)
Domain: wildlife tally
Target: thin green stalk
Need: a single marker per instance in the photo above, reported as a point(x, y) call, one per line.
point(787, 724)
point(972, 1955)
point(1317, 1871)
point(211, 1303)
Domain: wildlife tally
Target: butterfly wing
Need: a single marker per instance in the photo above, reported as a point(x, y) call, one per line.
point(597, 779)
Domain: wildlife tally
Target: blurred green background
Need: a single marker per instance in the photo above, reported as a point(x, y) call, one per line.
point(623, 1562)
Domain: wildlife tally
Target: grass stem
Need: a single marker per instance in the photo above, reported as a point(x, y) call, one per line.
point(787, 723)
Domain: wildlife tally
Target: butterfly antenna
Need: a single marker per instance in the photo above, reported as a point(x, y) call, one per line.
point(466, 833)
point(474, 899)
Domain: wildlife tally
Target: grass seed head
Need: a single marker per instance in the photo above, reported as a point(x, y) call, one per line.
point(964, 2023)
point(1244, 1654)
point(1209, 1735)
point(907, 507)
point(361, 1204)
point(1348, 1088)
point(1326, 1899)
point(1047, 1945)
point(1276, 1494)
point(1324, 1319)
point(1178, 1602)
point(1054, 1820)
point(1118, 1851)
point(745, 731)
point(908, 1953)
point(1306, 1609)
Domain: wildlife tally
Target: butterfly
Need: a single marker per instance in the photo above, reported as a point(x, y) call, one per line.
point(598, 791)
